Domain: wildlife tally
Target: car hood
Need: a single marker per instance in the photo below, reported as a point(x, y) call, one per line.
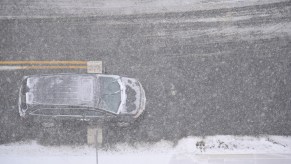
point(132, 96)
point(61, 90)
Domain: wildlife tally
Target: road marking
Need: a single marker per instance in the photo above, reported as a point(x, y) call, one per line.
point(40, 67)
point(42, 62)
point(94, 134)
point(7, 68)
point(94, 67)
point(91, 66)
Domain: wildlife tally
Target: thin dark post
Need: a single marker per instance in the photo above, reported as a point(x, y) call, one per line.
point(96, 145)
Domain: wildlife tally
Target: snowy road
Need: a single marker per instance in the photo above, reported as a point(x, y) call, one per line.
point(221, 69)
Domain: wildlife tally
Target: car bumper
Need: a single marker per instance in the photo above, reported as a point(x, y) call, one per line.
point(142, 103)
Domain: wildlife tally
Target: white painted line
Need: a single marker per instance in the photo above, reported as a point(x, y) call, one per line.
point(94, 67)
point(100, 135)
point(91, 132)
point(91, 135)
point(8, 68)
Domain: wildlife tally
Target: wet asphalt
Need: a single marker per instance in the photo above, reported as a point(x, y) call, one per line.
point(223, 71)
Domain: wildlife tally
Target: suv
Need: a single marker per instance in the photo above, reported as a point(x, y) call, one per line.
point(87, 97)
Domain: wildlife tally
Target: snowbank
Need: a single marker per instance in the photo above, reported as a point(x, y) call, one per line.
point(189, 148)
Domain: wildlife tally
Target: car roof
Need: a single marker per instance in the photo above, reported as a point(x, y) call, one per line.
point(62, 89)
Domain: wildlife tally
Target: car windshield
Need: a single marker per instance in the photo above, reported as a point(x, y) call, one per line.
point(110, 94)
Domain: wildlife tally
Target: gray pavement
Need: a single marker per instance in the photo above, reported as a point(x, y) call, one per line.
point(205, 72)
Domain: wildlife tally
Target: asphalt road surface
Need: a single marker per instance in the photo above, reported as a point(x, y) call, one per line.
point(208, 72)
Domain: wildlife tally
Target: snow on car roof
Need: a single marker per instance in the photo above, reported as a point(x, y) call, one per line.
point(74, 90)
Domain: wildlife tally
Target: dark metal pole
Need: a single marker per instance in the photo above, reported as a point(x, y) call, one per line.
point(96, 145)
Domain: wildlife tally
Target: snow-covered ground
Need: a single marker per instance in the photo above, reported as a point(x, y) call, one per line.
point(187, 150)
point(44, 8)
